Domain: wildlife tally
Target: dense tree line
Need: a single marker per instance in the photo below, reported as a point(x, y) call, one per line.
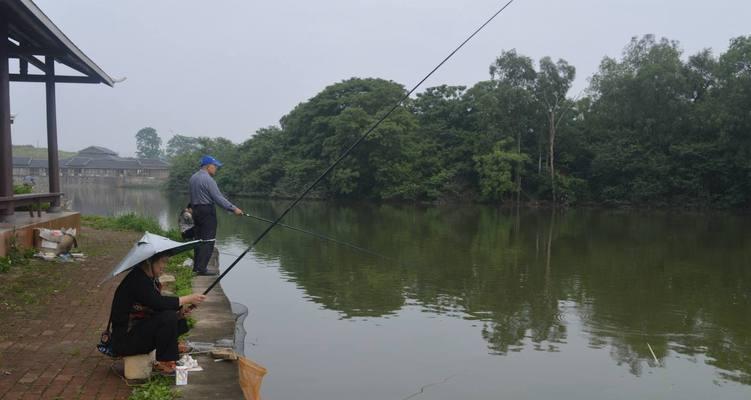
point(653, 128)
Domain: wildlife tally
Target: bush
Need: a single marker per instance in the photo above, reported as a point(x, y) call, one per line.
point(22, 189)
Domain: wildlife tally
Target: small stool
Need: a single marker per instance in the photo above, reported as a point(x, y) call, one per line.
point(139, 366)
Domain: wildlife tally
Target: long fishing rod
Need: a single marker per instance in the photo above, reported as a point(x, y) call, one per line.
point(324, 237)
point(350, 148)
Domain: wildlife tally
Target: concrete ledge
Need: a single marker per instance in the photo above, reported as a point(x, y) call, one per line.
point(215, 324)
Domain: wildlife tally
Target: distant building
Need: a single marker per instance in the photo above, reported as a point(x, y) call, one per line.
point(95, 161)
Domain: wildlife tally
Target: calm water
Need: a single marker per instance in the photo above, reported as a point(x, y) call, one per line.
point(486, 303)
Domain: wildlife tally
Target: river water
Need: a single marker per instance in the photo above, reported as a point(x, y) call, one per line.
point(477, 302)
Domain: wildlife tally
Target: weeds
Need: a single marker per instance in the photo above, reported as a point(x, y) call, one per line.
point(157, 388)
point(16, 255)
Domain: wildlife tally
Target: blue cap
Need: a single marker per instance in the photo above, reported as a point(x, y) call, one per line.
point(207, 159)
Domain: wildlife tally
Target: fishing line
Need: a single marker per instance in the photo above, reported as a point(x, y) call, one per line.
point(352, 147)
point(324, 237)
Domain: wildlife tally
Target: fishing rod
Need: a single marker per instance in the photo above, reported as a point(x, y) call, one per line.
point(350, 148)
point(324, 237)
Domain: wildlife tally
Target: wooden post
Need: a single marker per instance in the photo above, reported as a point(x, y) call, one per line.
point(6, 149)
point(53, 170)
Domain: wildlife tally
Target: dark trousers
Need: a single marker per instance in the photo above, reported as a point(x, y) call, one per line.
point(159, 332)
point(204, 220)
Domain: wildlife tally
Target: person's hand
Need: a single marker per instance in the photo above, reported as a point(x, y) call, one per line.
point(185, 311)
point(196, 298)
point(238, 211)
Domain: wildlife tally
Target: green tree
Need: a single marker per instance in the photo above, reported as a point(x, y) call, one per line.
point(318, 131)
point(495, 171)
point(148, 143)
point(445, 142)
point(180, 144)
point(183, 165)
point(551, 86)
point(640, 125)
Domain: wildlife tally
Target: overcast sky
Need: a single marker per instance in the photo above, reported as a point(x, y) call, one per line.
point(228, 68)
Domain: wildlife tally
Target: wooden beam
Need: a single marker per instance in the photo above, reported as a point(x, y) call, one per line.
point(52, 161)
point(6, 145)
point(14, 52)
point(29, 60)
point(58, 79)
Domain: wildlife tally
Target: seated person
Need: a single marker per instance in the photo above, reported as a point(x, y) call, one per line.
point(144, 320)
point(186, 224)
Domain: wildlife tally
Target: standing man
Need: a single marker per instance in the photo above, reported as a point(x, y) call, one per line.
point(204, 193)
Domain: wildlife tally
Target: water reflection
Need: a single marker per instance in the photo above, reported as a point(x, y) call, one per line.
point(676, 282)
point(98, 199)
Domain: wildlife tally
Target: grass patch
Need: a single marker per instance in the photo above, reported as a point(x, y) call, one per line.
point(157, 388)
point(16, 255)
point(183, 280)
point(129, 222)
point(31, 284)
point(183, 275)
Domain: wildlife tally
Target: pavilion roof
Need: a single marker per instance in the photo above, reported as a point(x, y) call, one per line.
point(32, 33)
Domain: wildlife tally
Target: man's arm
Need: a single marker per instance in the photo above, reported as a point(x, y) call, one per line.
point(218, 197)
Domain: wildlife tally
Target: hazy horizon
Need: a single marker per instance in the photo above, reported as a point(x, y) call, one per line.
point(233, 67)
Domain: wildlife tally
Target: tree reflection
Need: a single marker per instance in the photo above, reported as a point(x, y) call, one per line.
point(676, 282)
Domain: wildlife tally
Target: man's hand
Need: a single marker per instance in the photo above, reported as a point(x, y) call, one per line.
point(238, 211)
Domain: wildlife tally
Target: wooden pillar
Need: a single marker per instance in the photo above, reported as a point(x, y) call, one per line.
point(6, 150)
point(53, 170)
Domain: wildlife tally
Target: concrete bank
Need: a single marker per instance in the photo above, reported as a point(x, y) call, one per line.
point(216, 323)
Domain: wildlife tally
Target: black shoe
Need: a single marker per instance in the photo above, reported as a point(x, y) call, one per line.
point(206, 273)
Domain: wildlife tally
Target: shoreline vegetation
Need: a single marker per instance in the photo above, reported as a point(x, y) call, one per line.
point(655, 128)
point(157, 387)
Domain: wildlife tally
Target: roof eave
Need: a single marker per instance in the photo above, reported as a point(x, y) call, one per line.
point(68, 44)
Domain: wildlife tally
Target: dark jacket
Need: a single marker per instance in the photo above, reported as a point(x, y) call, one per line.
point(137, 293)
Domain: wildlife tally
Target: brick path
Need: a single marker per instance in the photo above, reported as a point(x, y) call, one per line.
point(48, 351)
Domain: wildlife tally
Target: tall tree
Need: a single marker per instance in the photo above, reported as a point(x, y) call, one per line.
point(547, 88)
point(180, 144)
point(641, 125)
point(148, 143)
point(553, 83)
point(516, 76)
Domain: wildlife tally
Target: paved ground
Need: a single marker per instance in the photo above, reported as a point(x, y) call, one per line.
point(51, 316)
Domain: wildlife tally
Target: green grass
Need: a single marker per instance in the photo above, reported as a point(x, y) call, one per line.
point(157, 388)
point(183, 280)
point(129, 222)
point(24, 288)
point(183, 275)
point(16, 255)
